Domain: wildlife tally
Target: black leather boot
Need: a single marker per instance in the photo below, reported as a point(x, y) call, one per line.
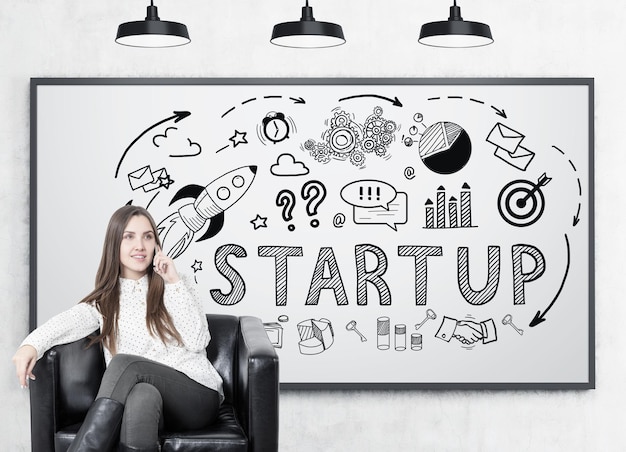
point(125, 448)
point(101, 428)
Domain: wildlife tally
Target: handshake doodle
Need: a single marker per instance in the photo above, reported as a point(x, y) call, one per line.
point(466, 331)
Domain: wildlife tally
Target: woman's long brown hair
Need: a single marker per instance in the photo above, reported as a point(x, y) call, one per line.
point(106, 294)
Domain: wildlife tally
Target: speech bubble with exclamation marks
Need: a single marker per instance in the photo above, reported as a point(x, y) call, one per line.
point(369, 193)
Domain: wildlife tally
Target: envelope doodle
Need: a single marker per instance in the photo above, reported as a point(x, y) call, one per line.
point(509, 146)
point(149, 180)
point(140, 178)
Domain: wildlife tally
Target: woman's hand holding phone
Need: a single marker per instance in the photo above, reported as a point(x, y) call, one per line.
point(164, 267)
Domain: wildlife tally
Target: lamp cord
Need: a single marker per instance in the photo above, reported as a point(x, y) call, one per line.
point(455, 12)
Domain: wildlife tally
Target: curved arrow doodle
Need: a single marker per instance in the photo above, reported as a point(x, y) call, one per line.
point(178, 116)
point(393, 101)
point(540, 316)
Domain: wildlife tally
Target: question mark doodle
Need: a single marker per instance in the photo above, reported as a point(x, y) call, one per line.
point(287, 200)
point(316, 199)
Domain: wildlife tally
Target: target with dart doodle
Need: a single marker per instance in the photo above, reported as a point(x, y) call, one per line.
point(521, 202)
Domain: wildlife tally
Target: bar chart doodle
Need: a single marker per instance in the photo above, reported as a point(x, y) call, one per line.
point(450, 212)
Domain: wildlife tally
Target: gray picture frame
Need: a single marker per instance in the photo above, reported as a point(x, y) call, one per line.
point(447, 95)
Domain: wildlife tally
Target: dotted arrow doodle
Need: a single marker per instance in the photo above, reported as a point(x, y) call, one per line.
point(499, 112)
point(295, 100)
point(576, 219)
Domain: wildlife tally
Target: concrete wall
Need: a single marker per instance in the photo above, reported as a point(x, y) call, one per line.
point(62, 38)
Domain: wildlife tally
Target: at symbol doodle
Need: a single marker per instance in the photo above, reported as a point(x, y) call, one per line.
point(339, 220)
point(521, 202)
point(287, 200)
point(314, 200)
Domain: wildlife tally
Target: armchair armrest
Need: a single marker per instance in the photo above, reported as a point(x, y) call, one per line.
point(67, 381)
point(257, 385)
point(42, 403)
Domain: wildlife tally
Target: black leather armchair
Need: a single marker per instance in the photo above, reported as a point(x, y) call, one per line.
point(68, 378)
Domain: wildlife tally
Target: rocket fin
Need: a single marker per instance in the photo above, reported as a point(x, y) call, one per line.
point(188, 191)
point(216, 224)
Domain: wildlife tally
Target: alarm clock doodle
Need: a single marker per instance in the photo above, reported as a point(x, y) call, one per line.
point(275, 127)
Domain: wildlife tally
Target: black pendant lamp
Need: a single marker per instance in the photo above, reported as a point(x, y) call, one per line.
point(307, 33)
point(455, 32)
point(152, 32)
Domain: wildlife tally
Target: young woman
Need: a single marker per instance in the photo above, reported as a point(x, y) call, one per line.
point(154, 333)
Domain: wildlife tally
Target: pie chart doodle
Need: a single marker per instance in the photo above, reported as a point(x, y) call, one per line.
point(445, 147)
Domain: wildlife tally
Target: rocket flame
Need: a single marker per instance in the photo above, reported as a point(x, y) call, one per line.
point(175, 235)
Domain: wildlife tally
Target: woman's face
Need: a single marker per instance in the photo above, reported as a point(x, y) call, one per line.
point(137, 247)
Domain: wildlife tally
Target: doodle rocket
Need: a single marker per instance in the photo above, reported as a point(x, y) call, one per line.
point(178, 229)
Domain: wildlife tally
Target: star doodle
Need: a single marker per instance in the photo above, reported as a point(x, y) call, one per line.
point(238, 138)
point(165, 181)
point(259, 222)
point(197, 266)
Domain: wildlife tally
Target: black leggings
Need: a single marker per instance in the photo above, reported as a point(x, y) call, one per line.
point(155, 395)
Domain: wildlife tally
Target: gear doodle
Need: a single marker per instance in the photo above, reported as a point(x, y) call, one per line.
point(380, 132)
point(380, 151)
point(340, 119)
point(347, 140)
point(357, 158)
point(320, 152)
point(309, 145)
point(343, 140)
point(369, 144)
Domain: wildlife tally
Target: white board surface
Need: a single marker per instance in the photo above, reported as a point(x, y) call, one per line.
point(407, 232)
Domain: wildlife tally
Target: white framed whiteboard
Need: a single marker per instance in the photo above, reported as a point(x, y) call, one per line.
point(428, 233)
